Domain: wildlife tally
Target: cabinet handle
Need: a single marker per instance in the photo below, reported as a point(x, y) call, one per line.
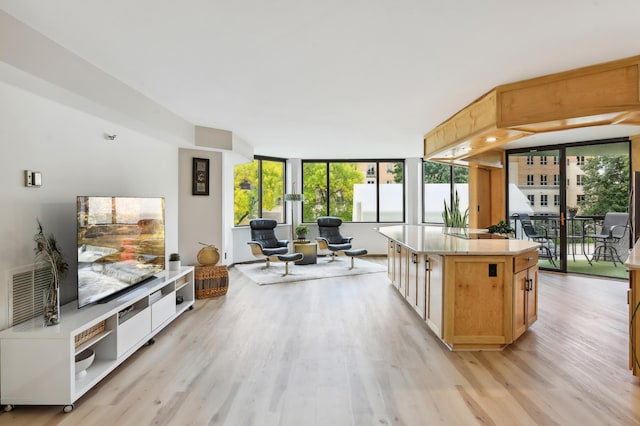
point(529, 284)
point(426, 264)
point(414, 258)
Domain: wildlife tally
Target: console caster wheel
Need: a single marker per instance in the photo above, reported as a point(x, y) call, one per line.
point(8, 408)
point(191, 308)
point(68, 408)
point(151, 341)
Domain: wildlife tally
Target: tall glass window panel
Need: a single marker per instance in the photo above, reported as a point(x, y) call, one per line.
point(344, 180)
point(391, 189)
point(461, 186)
point(315, 190)
point(246, 193)
point(272, 182)
point(437, 190)
point(536, 201)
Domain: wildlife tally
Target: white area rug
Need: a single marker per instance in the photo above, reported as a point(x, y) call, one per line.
point(323, 269)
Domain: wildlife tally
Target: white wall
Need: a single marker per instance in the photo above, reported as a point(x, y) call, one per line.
point(200, 215)
point(69, 148)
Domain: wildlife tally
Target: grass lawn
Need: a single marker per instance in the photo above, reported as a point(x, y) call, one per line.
point(601, 268)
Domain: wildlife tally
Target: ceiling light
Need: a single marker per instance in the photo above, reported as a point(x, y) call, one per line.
point(491, 139)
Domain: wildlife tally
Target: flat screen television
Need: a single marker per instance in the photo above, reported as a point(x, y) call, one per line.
point(120, 244)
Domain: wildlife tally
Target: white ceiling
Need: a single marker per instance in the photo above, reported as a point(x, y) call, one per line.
point(330, 79)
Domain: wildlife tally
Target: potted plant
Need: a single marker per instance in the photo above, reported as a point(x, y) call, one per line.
point(47, 252)
point(174, 262)
point(453, 217)
point(302, 231)
point(501, 227)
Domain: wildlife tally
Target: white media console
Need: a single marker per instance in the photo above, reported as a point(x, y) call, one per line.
point(37, 364)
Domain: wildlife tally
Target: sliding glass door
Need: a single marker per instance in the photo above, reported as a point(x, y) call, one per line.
point(535, 201)
point(559, 197)
point(598, 182)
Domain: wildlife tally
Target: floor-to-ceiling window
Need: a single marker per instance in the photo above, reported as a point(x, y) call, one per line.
point(440, 184)
point(564, 192)
point(259, 190)
point(355, 191)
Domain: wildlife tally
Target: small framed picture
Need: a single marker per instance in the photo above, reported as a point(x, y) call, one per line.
point(200, 184)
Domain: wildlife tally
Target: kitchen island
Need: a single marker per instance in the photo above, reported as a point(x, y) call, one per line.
point(633, 299)
point(475, 290)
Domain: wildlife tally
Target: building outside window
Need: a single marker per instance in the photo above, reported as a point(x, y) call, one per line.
point(530, 180)
point(543, 161)
point(259, 190)
point(530, 160)
point(579, 180)
point(556, 180)
point(355, 191)
point(580, 160)
point(555, 160)
point(556, 199)
point(543, 200)
point(543, 180)
point(532, 199)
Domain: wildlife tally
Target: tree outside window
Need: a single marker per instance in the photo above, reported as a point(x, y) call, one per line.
point(606, 184)
point(259, 190)
point(355, 191)
point(440, 182)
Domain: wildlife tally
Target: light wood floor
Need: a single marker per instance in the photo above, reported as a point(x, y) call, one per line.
point(349, 351)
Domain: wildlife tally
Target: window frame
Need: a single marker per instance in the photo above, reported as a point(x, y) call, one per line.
point(366, 176)
point(260, 159)
point(452, 186)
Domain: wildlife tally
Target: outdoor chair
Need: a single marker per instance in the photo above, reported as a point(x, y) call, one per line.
point(540, 235)
point(614, 228)
point(265, 245)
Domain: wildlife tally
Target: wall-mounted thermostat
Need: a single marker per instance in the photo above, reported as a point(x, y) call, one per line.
point(32, 178)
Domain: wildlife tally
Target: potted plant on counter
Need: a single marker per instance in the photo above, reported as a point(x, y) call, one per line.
point(502, 228)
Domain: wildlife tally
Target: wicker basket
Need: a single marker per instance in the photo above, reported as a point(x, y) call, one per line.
point(211, 281)
point(89, 333)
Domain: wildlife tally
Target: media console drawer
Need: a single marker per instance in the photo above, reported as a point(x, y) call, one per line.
point(134, 330)
point(163, 309)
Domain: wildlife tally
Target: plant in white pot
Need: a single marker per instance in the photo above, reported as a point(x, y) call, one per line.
point(174, 262)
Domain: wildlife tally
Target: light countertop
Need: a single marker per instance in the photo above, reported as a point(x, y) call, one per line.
point(441, 240)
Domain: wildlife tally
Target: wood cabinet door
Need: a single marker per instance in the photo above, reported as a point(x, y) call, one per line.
point(435, 293)
point(422, 285)
point(412, 279)
point(520, 303)
point(478, 301)
point(532, 295)
point(391, 256)
point(397, 268)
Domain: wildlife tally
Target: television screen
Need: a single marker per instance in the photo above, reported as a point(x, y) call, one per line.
point(120, 244)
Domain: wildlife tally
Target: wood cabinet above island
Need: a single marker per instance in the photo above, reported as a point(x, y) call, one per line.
point(476, 291)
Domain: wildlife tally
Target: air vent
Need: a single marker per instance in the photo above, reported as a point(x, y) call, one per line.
point(27, 289)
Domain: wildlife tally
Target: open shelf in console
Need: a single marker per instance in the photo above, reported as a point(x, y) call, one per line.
point(113, 330)
point(131, 311)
